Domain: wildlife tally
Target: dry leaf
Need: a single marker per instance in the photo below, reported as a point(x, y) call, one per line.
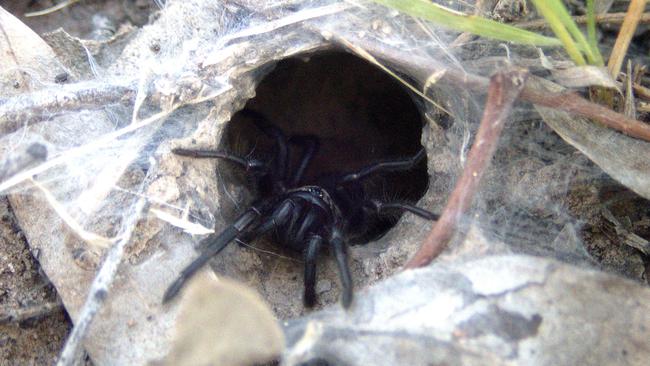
point(622, 157)
point(224, 323)
point(583, 76)
point(25, 56)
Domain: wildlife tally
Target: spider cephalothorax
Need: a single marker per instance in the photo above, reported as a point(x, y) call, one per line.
point(305, 217)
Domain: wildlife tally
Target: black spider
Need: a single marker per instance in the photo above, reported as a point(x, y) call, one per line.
point(305, 217)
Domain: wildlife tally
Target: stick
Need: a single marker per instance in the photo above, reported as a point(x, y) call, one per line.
point(29, 108)
point(22, 314)
point(422, 68)
point(504, 89)
point(98, 291)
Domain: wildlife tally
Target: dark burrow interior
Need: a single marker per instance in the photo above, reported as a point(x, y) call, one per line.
point(359, 114)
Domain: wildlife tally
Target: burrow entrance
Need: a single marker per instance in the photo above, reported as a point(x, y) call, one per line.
point(359, 114)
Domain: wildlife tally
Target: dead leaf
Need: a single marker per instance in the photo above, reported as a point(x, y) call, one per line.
point(622, 157)
point(224, 323)
point(583, 76)
point(25, 56)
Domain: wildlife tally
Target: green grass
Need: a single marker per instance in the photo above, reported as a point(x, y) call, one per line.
point(568, 34)
point(574, 41)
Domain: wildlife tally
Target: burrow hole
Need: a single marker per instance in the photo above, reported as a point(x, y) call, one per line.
point(360, 115)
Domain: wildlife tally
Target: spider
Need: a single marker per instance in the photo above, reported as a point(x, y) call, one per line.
point(305, 217)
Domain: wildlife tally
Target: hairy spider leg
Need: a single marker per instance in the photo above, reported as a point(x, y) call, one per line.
point(218, 243)
point(269, 224)
point(279, 216)
point(291, 225)
point(214, 246)
point(380, 207)
point(249, 164)
point(340, 253)
point(282, 145)
point(310, 146)
point(306, 222)
point(385, 166)
point(311, 254)
point(306, 225)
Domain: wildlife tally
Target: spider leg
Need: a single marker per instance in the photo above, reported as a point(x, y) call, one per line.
point(313, 247)
point(340, 253)
point(310, 145)
point(214, 246)
point(282, 155)
point(307, 221)
point(380, 207)
point(385, 166)
point(218, 243)
point(292, 224)
point(279, 216)
point(249, 164)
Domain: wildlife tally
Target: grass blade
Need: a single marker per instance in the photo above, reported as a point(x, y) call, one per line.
point(468, 23)
point(634, 12)
point(593, 55)
point(591, 25)
point(547, 11)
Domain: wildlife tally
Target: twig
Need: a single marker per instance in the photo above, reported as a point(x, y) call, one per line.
point(629, 108)
point(26, 109)
point(31, 312)
point(99, 291)
point(301, 16)
point(575, 104)
point(52, 9)
point(641, 91)
point(611, 18)
point(504, 89)
point(632, 17)
point(421, 67)
point(79, 150)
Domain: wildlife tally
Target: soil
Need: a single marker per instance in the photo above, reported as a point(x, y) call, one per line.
point(33, 324)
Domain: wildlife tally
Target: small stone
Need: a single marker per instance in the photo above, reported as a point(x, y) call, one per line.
point(61, 77)
point(323, 286)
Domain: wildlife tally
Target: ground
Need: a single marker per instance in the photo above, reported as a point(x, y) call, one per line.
point(33, 338)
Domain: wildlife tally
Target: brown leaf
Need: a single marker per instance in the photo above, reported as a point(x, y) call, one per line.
point(582, 76)
point(224, 323)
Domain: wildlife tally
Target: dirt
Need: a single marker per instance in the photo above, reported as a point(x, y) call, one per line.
point(33, 323)
point(38, 325)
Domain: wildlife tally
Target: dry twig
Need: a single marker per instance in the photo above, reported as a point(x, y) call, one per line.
point(30, 312)
point(421, 68)
point(52, 9)
point(98, 291)
point(25, 109)
point(504, 89)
